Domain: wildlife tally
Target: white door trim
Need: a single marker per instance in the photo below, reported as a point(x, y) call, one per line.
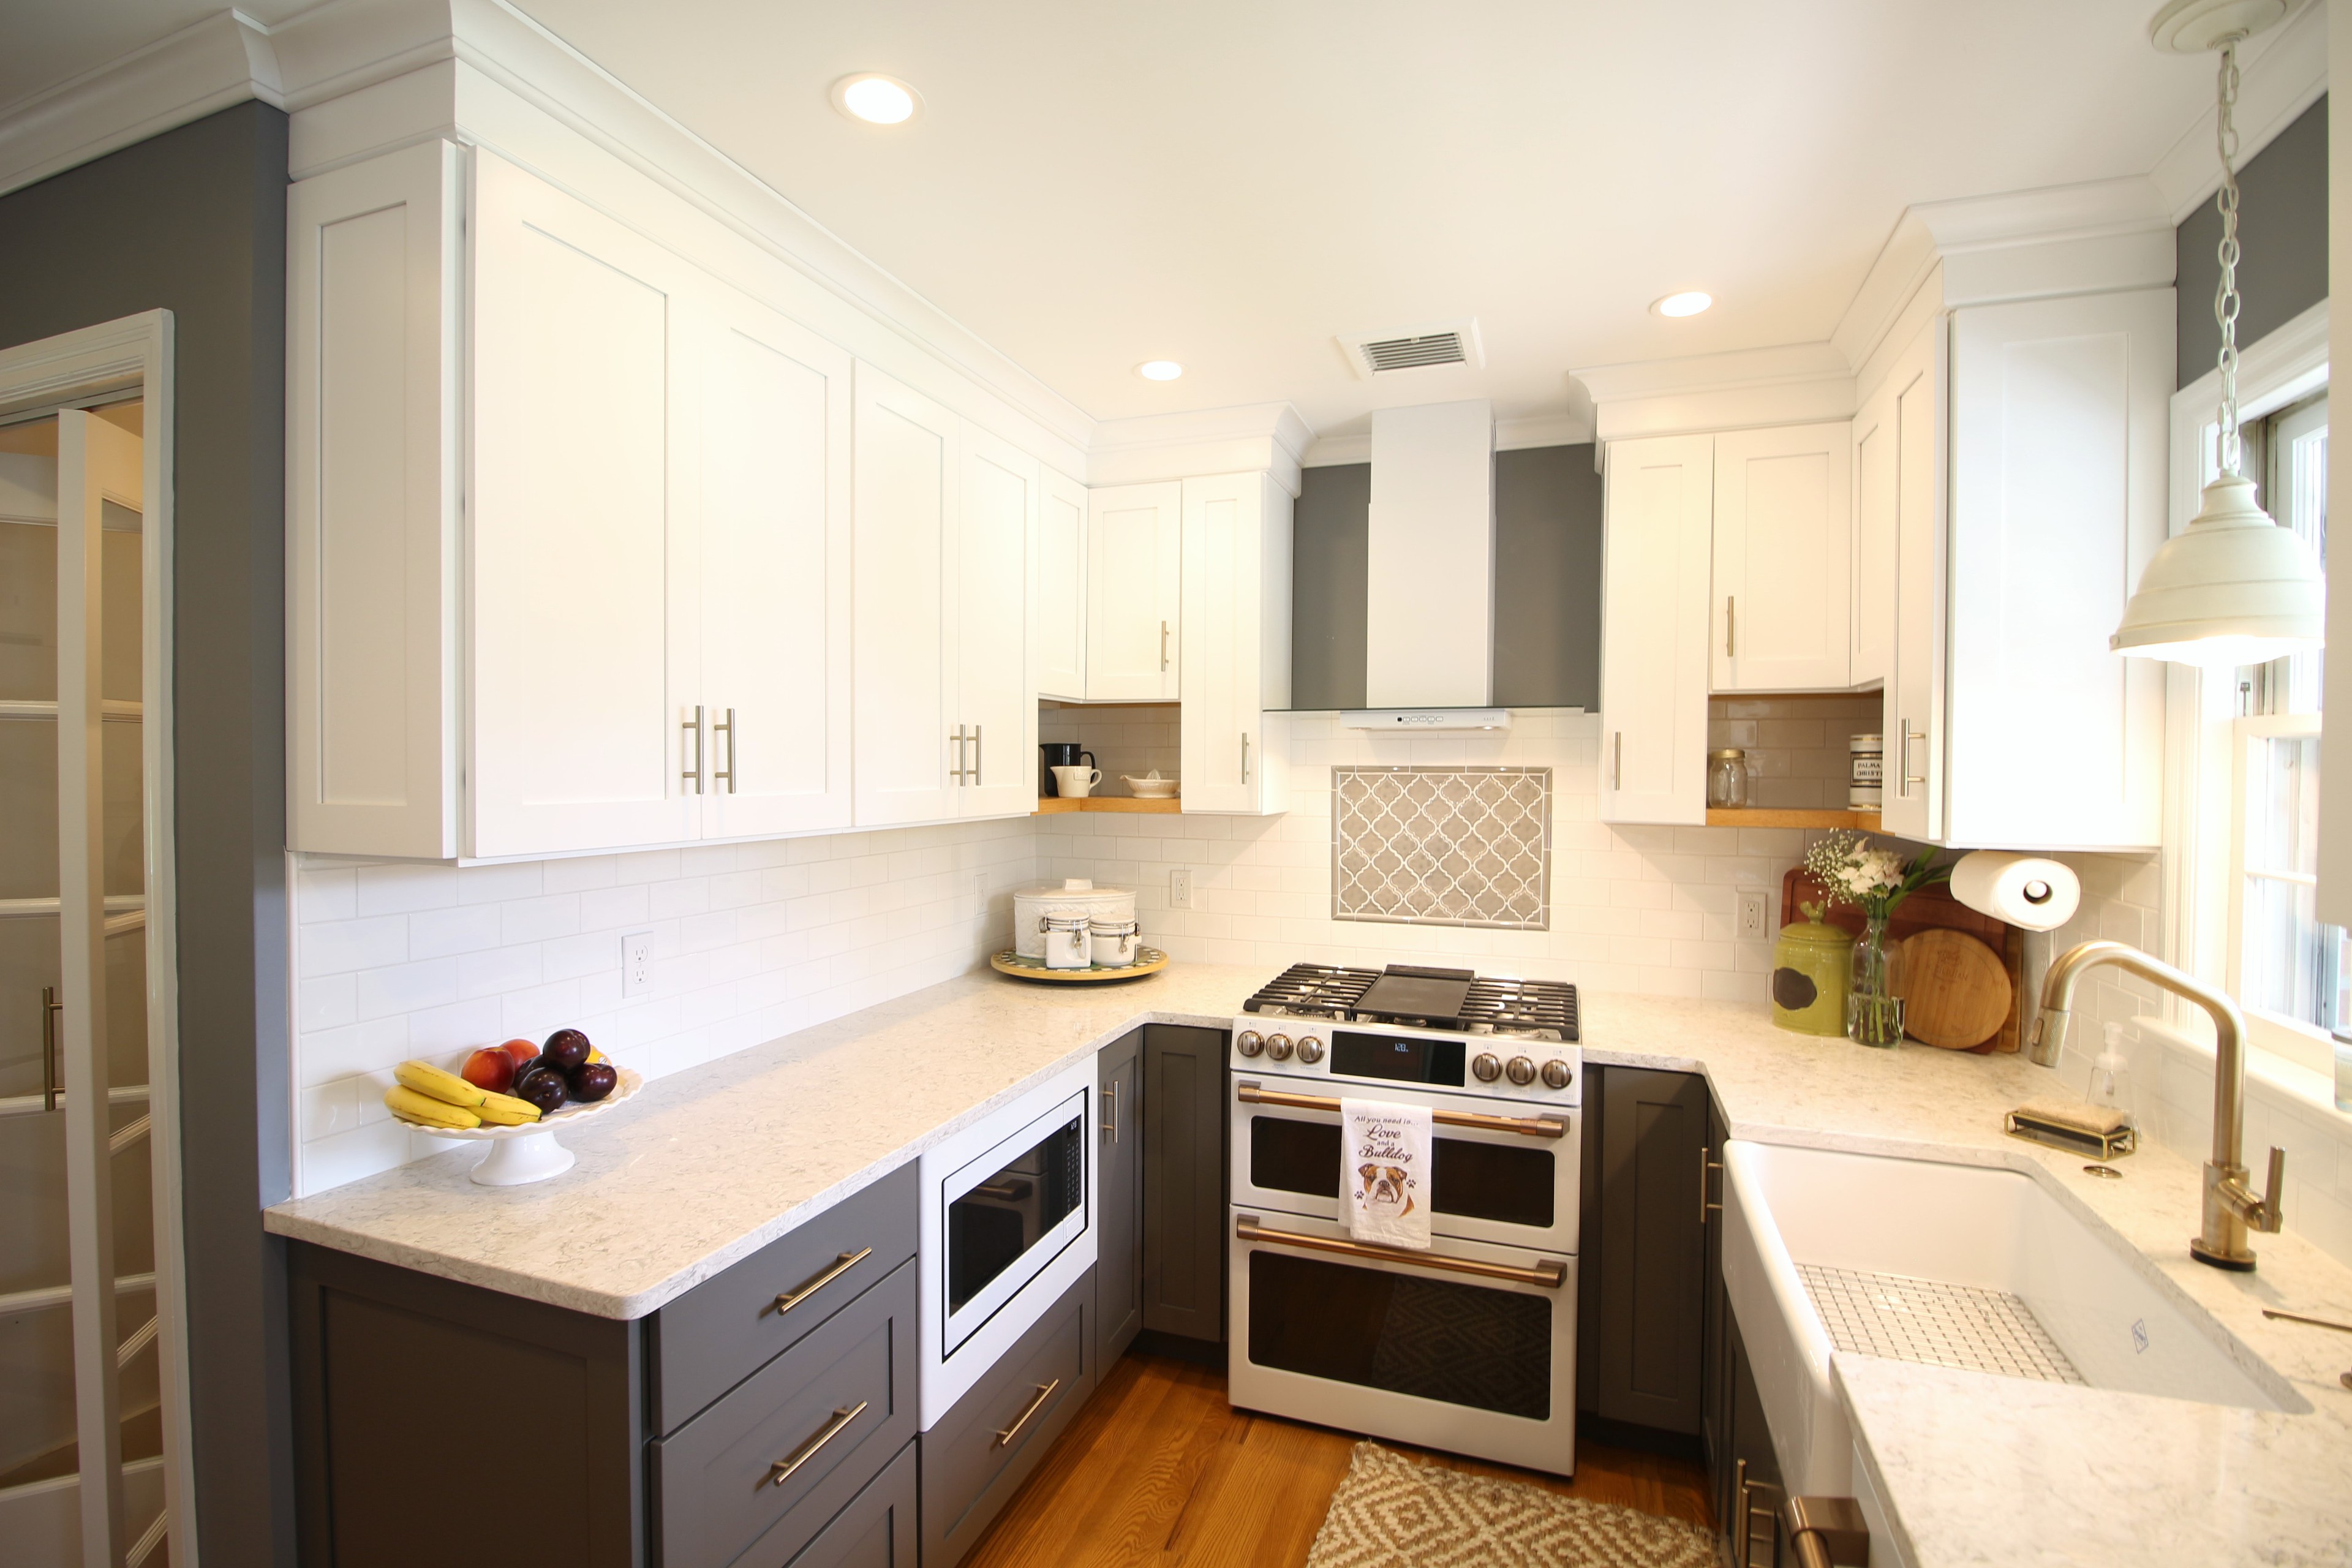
point(113, 356)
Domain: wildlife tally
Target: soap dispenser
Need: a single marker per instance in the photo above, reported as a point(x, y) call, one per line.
point(2111, 1085)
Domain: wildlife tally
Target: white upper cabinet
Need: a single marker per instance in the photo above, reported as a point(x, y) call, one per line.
point(1658, 500)
point(773, 511)
point(1783, 536)
point(994, 697)
point(1059, 648)
point(1899, 452)
point(909, 494)
point(1878, 482)
point(2059, 415)
point(1135, 604)
point(1235, 632)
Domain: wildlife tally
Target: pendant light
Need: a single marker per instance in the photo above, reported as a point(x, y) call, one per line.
point(2233, 587)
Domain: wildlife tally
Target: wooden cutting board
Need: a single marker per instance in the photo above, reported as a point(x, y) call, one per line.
point(1955, 991)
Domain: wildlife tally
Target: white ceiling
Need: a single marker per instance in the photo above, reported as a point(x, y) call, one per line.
point(1230, 183)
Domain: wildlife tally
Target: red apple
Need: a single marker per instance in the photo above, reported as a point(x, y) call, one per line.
point(491, 1068)
point(524, 1052)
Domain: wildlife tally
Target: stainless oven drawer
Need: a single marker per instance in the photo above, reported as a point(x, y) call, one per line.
point(1514, 1183)
point(731, 1325)
point(779, 1455)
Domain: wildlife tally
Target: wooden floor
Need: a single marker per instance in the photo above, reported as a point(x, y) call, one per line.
point(1159, 1469)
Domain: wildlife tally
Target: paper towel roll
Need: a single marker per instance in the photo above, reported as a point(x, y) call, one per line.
point(2031, 891)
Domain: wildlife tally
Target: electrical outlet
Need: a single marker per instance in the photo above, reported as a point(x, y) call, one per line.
point(1755, 914)
point(636, 964)
point(1180, 889)
point(980, 887)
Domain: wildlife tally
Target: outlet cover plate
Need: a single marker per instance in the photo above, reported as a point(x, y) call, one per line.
point(1180, 889)
point(636, 964)
point(1755, 914)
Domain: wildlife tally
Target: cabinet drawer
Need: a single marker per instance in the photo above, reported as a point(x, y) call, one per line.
point(727, 1328)
point(970, 1466)
point(876, 1531)
point(832, 1409)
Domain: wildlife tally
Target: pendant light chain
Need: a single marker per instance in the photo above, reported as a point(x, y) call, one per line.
point(2225, 296)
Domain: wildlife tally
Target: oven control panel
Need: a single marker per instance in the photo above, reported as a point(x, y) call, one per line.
point(1500, 1065)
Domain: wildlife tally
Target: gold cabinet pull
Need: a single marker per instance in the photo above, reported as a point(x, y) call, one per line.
point(1705, 1165)
point(1905, 778)
point(1730, 609)
point(1111, 1094)
point(1252, 1093)
point(1036, 1403)
point(781, 1470)
point(1163, 647)
point(1550, 1276)
point(823, 1277)
point(1617, 759)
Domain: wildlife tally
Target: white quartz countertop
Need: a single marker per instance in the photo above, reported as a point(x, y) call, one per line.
point(707, 1166)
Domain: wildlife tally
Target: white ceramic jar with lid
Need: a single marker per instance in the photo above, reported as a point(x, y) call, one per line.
point(1075, 896)
point(1112, 942)
point(1065, 937)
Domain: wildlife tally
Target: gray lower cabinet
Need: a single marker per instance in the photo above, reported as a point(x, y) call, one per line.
point(981, 1451)
point(786, 1450)
point(878, 1529)
point(1184, 1181)
point(1643, 1302)
point(1118, 1251)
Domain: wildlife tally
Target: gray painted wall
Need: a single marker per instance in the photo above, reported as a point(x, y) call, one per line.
point(194, 221)
point(1547, 581)
point(2281, 239)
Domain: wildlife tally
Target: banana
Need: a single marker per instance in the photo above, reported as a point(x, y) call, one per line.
point(506, 1111)
point(433, 1082)
point(426, 1110)
point(596, 1056)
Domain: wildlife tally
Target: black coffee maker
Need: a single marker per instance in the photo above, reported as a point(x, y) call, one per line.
point(1059, 755)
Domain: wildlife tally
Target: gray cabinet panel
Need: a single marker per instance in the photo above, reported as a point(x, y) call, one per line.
point(712, 1478)
point(876, 1529)
point(969, 1469)
point(1652, 1250)
point(1119, 1248)
point(727, 1327)
point(1184, 1181)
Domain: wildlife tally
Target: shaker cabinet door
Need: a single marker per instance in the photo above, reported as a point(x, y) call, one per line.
point(1135, 564)
point(994, 697)
point(1914, 406)
point(1235, 637)
point(908, 494)
point(583, 597)
point(1783, 559)
point(1058, 620)
point(1659, 496)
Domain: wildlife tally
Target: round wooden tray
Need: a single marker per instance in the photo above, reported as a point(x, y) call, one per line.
point(1147, 961)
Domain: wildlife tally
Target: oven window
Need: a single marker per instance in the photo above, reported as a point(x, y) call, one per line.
point(1010, 1211)
point(1497, 1182)
point(1457, 1343)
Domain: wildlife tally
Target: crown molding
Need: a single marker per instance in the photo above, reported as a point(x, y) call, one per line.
point(1269, 437)
point(1565, 429)
point(2275, 86)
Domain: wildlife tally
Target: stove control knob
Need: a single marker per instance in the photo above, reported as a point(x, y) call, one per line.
point(1310, 1049)
point(1278, 1047)
point(1556, 1073)
point(1249, 1042)
point(1486, 1066)
point(1521, 1070)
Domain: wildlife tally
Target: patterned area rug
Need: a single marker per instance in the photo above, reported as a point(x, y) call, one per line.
point(1392, 1512)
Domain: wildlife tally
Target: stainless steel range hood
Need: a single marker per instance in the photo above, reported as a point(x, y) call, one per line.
point(1429, 654)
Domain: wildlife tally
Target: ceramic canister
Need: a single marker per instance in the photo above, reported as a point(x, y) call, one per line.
point(1077, 896)
point(1112, 942)
point(1813, 965)
point(1065, 941)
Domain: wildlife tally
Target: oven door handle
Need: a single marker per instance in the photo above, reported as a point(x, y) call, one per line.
point(1550, 1275)
point(1249, 1092)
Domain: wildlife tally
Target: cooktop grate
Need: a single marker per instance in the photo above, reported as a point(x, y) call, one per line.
point(1934, 1323)
point(1315, 990)
point(1540, 1008)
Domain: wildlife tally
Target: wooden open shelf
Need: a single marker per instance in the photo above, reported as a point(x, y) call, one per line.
point(1050, 807)
point(1763, 817)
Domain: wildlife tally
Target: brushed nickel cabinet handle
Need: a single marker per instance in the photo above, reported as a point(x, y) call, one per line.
point(1550, 1276)
point(781, 1470)
point(973, 777)
point(1163, 647)
point(958, 772)
point(1730, 609)
point(727, 724)
point(823, 1277)
point(1250, 1092)
point(1705, 1165)
point(1905, 778)
point(1616, 759)
point(1036, 1403)
point(694, 727)
point(1245, 756)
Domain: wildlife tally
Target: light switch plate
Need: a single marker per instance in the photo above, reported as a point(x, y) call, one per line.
point(636, 964)
point(1180, 889)
point(1755, 914)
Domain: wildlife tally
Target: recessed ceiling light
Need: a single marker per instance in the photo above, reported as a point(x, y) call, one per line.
point(875, 98)
point(1689, 302)
point(1160, 369)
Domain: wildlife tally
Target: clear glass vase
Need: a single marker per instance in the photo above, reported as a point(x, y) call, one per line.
point(1874, 1012)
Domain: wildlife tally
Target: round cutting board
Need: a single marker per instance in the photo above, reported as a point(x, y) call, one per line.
point(1956, 991)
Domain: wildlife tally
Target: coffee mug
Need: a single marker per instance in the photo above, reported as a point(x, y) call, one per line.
point(1058, 754)
point(1077, 783)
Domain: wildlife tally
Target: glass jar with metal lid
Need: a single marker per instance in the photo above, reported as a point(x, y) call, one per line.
point(1726, 777)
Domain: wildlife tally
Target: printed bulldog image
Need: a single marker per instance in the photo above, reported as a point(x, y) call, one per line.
point(1384, 1190)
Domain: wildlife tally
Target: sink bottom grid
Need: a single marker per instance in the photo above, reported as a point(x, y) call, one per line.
point(1938, 1324)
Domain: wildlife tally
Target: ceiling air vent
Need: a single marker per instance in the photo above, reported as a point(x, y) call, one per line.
point(1413, 348)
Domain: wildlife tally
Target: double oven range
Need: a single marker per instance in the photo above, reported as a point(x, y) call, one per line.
point(1469, 1346)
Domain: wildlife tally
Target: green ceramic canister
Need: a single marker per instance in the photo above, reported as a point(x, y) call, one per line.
point(1812, 964)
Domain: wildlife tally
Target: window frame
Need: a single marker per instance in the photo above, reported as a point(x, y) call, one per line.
point(2304, 1043)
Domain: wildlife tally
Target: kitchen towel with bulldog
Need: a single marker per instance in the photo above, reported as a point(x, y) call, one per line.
point(1384, 1151)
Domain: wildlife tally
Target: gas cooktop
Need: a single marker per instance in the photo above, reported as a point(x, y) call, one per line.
point(1424, 998)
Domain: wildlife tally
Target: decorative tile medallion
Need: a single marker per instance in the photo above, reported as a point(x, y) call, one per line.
point(1458, 847)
